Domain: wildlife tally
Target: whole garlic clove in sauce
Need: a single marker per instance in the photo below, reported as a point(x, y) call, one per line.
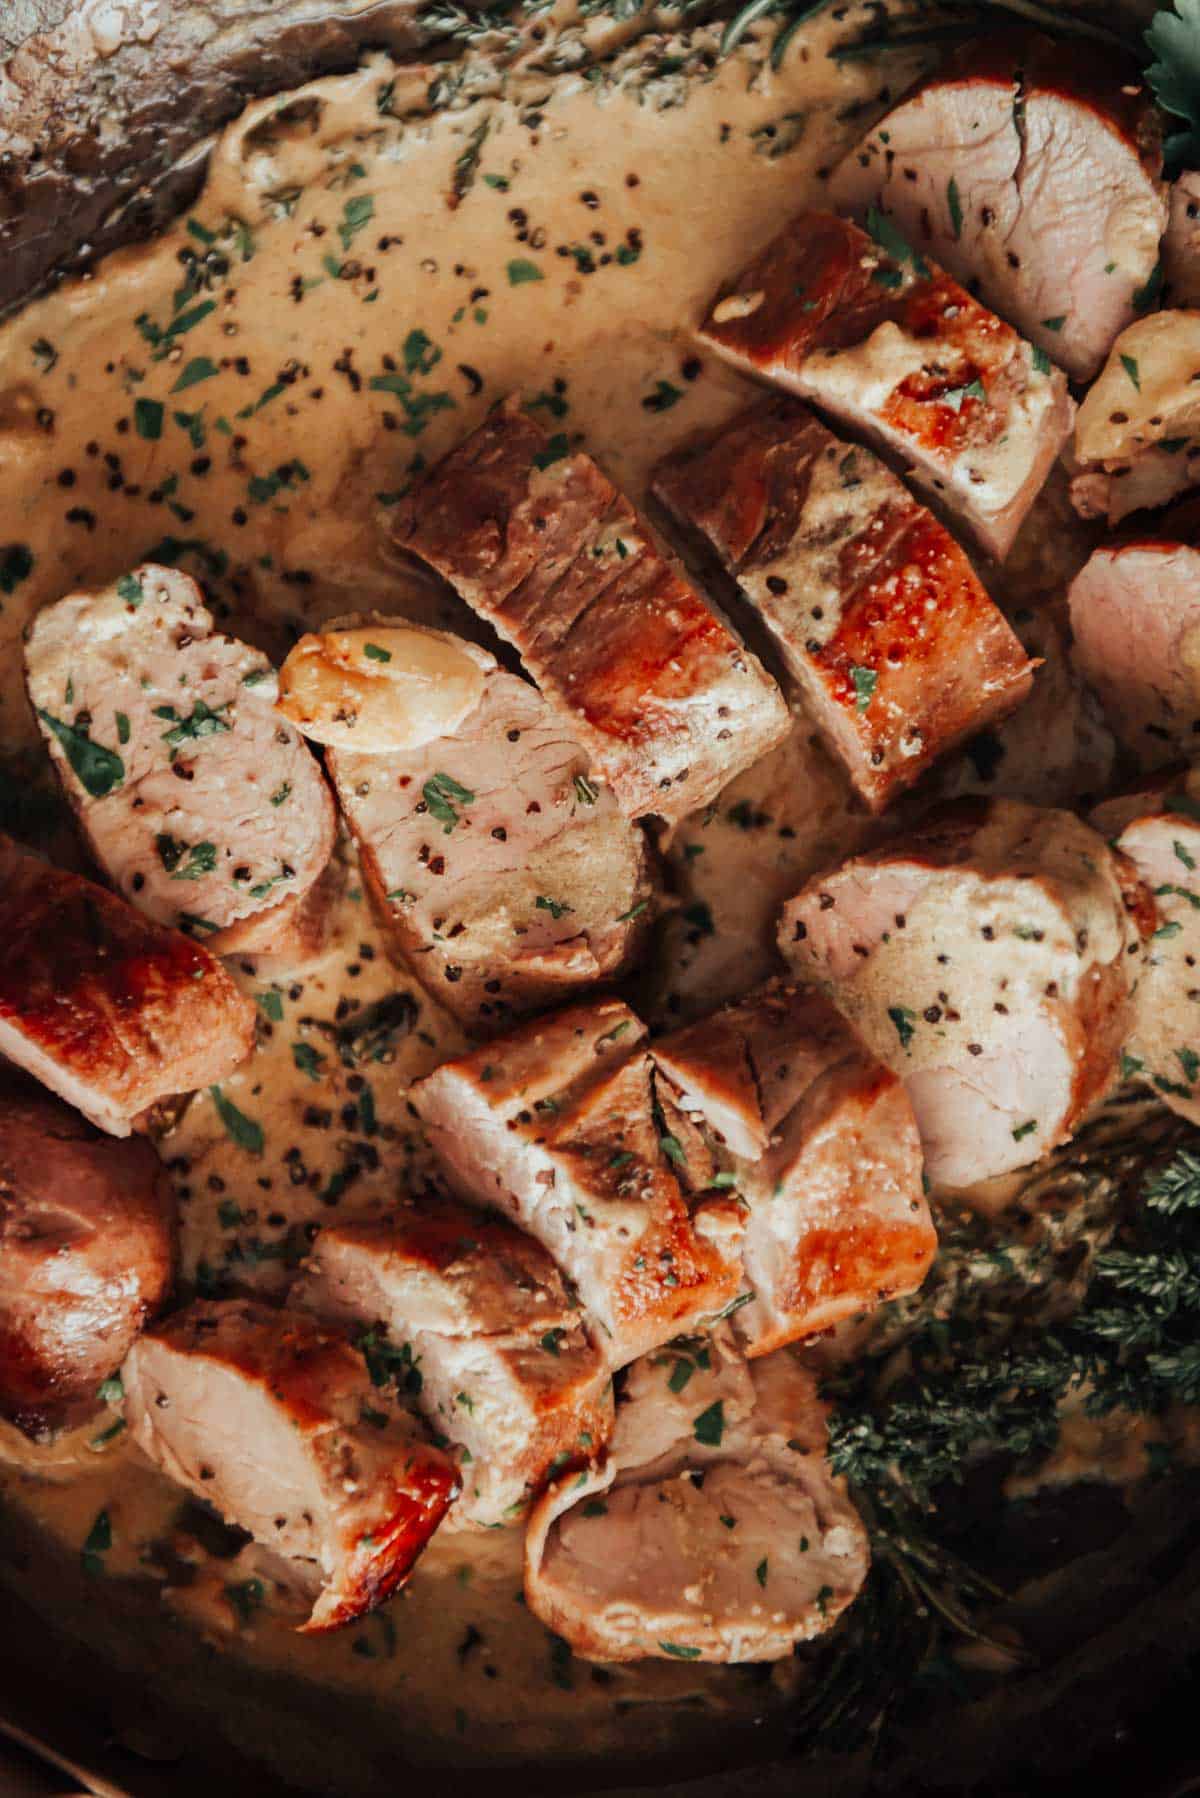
point(381, 687)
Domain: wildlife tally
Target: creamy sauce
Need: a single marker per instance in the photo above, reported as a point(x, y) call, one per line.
point(359, 281)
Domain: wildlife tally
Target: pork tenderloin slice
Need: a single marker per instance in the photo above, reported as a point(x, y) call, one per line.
point(111, 1011)
point(479, 1324)
point(1135, 615)
point(989, 960)
point(1181, 243)
point(713, 1531)
point(202, 805)
point(1035, 178)
point(557, 1127)
point(437, 1265)
point(505, 876)
point(275, 1422)
point(882, 339)
point(1137, 436)
point(654, 686)
point(87, 1257)
point(825, 1152)
point(896, 650)
point(1158, 829)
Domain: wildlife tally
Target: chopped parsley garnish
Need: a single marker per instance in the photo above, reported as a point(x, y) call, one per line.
point(521, 271)
point(679, 1652)
point(242, 1130)
point(557, 449)
point(1021, 1131)
point(709, 1427)
point(420, 352)
point(129, 588)
point(865, 681)
point(904, 1020)
point(1150, 292)
point(672, 1148)
point(954, 396)
point(282, 792)
point(441, 794)
point(201, 722)
point(200, 368)
point(356, 214)
point(148, 418)
point(375, 653)
point(97, 769)
point(97, 1543)
point(1041, 362)
point(555, 907)
point(665, 395)
point(202, 859)
point(16, 565)
point(246, 1597)
point(1130, 365)
point(1054, 324)
point(307, 1060)
point(760, 1572)
point(552, 1341)
point(955, 204)
point(585, 792)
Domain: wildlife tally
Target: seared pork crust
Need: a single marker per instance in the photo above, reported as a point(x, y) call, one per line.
point(713, 1530)
point(879, 337)
point(203, 806)
point(1035, 177)
point(990, 960)
point(658, 691)
point(110, 1011)
point(559, 1126)
point(896, 649)
point(505, 876)
point(264, 1415)
point(87, 1255)
point(824, 1149)
point(507, 1371)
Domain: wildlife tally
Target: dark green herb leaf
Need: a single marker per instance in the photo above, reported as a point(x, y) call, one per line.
point(242, 1130)
point(709, 1427)
point(97, 769)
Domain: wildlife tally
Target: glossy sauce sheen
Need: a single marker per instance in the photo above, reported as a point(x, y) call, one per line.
point(255, 388)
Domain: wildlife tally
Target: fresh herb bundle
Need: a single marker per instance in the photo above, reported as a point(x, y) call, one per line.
point(979, 1378)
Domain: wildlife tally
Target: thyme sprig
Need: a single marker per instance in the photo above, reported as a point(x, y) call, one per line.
point(979, 1376)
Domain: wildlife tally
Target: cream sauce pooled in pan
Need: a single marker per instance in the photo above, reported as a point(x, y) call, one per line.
point(359, 281)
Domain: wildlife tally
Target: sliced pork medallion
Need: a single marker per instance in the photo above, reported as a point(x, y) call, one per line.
point(871, 332)
point(1137, 437)
point(655, 687)
point(474, 1314)
point(109, 1010)
point(824, 1150)
point(1135, 614)
point(203, 806)
point(895, 647)
point(1181, 245)
point(989, 958)
point(559, 1127)
point(506, 876)
point(86, 1256)
point(1159, 830)
point(1034, 176)
point(275, 1422)
point(714, 1530)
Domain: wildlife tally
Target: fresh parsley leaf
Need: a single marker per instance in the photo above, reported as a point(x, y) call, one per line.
point(439, 793)
point(709, 1427)
point(865, 681)
point(955, 204)
point(242, 1130)
point(97, 769)
point(521, 271)
point(1130, 365)
point(904, 1020)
